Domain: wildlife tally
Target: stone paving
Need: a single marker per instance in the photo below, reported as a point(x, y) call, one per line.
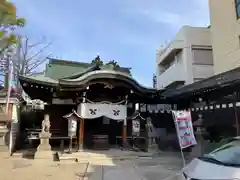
point(108, 168)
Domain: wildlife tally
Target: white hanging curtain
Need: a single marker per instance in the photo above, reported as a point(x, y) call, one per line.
point(91, 111)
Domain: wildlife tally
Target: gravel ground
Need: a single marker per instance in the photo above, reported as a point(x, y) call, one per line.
point(156, 168)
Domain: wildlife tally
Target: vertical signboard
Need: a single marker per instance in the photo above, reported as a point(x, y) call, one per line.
point(72, 126)
point(136, 127)
point(13, 129)
point(184, 128)
point(13, 136)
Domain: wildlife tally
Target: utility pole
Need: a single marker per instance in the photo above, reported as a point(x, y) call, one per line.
point(6, 71)
point(154, 81)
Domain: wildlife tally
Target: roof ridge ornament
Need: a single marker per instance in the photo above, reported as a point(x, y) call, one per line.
point(114, 64)
point(97, 61)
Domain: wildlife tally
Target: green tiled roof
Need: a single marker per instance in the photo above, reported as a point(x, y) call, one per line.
point(119, 69)
point(60, 73)
point(98, 72)
point(57, 69)
point(60, 69)
point(42, 77)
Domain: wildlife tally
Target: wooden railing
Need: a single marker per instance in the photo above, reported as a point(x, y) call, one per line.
point(34, 133)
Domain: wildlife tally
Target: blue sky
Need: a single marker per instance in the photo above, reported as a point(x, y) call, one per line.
point(128, 31)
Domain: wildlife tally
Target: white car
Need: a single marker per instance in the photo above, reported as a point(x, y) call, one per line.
point(221, 164)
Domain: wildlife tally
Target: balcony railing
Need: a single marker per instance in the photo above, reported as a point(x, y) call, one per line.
point(172, 74)
point(169, 49)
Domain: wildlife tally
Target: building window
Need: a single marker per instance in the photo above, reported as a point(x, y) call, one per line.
point(202, 56)
point(197, 79)
point(237, 6)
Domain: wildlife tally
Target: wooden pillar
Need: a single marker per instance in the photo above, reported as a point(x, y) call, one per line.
point(9, 110)
point(81, 126)
point(6, 76)
point(236, 113)
point(81, 134)
point(124, 128)
point(124, 133)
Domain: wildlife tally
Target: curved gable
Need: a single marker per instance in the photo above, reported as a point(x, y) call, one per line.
point(105, 74)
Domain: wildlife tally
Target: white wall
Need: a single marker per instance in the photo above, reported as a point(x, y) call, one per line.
point(225, 28)
point(185, 70)
point(199, 36)
point(176, 71)
point(202, 71)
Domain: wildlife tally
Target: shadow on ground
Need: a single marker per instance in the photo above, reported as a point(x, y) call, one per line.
point(29, 154)
point(109, 164)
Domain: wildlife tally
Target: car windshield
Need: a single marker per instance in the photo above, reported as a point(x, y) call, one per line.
point(228, 154)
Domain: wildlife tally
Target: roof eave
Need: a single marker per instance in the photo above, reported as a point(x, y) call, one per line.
point(24, 79)
point(133, 83)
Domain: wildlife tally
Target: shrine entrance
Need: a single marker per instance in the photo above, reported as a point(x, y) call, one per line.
point(103, 123)
point(101, 129)
point(95, 96)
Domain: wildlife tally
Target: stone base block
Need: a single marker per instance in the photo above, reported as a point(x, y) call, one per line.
point(44, 155)
point(44, 146)
point(153, 148)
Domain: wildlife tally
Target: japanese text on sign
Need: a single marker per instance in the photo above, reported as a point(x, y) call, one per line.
point(183, 123)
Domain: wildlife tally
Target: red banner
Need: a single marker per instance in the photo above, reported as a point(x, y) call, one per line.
point(183, 124)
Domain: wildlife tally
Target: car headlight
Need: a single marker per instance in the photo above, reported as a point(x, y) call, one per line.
point(189, 178)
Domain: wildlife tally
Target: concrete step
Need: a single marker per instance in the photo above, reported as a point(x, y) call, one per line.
point(3, 148)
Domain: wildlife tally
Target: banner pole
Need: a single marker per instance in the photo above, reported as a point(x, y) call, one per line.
point(10, 71)
point(10, 141)
point(176, 127)
point(183, 158)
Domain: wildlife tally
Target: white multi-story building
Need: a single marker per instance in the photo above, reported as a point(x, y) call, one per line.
point(225, 28)
point(188, 58)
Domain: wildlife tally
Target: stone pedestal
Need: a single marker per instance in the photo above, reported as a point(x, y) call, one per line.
point(44, 148)
point(152, 146)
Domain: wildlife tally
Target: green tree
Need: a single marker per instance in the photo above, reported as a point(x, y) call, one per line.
point(8, 24)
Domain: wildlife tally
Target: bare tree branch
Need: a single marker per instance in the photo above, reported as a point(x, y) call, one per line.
point(37, 53)
point(30, 46)
point(37, 64)
point(27, 57)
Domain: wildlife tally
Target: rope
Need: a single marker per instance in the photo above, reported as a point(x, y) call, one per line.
point(105, 102)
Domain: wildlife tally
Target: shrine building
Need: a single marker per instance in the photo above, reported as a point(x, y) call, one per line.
point(102, 98)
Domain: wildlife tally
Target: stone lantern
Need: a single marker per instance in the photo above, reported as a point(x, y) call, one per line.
point(72, 128)
point(198, 149)
point(200, 128)
point(44, 148)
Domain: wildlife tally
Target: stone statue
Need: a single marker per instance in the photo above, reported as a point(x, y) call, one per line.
point(150, 130)
point(46, 124)
point(44, 136)
point(149, 123)
point(152, 146)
